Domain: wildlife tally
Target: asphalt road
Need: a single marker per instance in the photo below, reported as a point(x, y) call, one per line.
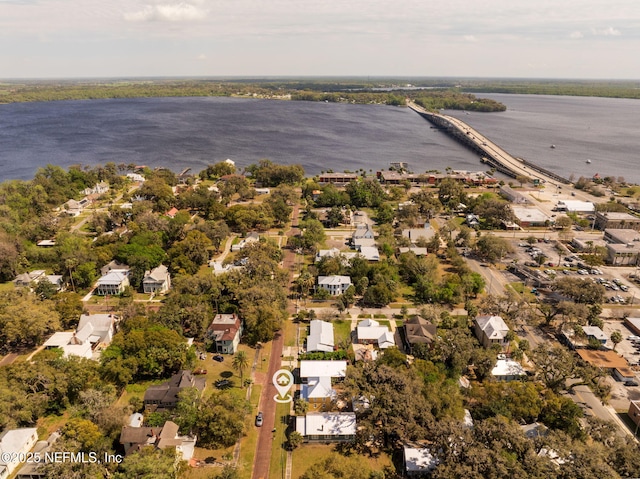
point(262, 459)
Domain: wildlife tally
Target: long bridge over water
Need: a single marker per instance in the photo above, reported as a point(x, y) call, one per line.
point(490, 153)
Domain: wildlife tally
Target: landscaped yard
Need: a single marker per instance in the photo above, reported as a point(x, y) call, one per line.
point(341, 331)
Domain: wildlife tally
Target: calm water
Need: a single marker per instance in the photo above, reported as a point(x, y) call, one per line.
point(604, 130)
point(193, 132)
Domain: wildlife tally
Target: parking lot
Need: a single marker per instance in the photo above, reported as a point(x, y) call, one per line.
point(620, 289)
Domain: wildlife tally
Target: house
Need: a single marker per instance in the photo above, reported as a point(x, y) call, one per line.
point(157, 281)
point(316, 379)
point(362, 232)
point(327, 426)
point(96, 328)
point(418, 330)
point(335, 252)
point(113, 266)
point(335, 284)
point(369, 331)
point(172, 212)
point(595, 333)
point(136, 177)
point(615, 220)
point(418, 461)
point(112, 283)
point(491, 330)
point(27, 279)
point(165, 396)
point(577, 341)
point(370, 253)
point(70, 345)
point(249, 239)
point(418, 234)
point(74, 208)
point(507, 370)
point(94, 332)
point(320, 336)
point(418, 251)
point(225, 330)
point(13, 443)
point(98, 189)
point(362, 242)
point(133, 439)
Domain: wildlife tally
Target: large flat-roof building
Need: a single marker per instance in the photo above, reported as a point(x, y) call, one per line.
point(615, 220)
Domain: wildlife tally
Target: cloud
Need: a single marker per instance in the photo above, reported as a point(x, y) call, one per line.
point(168, 12)
point(576, 35)
point(201, 57)
point(470, 38)
point(607, 32)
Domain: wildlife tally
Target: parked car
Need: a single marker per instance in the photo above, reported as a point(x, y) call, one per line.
point(259, 419)
point(199, 371)
point(222, 384)
point(218, 357)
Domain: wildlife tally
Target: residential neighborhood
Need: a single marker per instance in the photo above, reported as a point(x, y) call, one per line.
point(149, 316)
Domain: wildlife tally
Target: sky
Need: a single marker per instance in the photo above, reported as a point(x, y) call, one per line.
point(590, 39)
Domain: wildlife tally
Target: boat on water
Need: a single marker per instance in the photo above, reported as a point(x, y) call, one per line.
point(588, 162)
point(552, 146)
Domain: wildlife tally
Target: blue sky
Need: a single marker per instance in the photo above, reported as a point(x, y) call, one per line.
point(488, 38)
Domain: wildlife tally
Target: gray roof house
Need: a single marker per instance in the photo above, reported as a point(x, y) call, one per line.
point(165, 396)
point(320, 336)
point(157, 281)
point(112, 283)
point(335, 284)
point(491, 330)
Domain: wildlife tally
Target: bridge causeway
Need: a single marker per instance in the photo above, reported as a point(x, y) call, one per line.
point(489, 152)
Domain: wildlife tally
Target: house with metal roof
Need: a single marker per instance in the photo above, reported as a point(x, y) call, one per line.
point(491, 330)
point(157, 281)
point(320, 336)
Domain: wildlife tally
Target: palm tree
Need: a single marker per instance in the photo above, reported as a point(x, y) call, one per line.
point(616, 337)
point(240, 363)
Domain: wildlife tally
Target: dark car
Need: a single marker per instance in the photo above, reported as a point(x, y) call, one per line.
point(218, 357)
point(223, 384)
point(259, 419)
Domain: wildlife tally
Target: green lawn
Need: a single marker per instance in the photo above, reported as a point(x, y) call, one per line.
point(341, 330)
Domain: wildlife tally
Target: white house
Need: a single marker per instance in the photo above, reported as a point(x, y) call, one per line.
point(363, 231)
point(225, 330)
point(327, 426)
point(157, 281)
point(416, 234)
point(112, 283)
point(418, 461)
point(370, 253)
point(14, 442)
point(249, 239)
point(335, 284)
point(316, 377)
point(369, 331)
point(507, 370)
point(93, 331)
point(320, 336)
point(491, 330)
point(334, 252)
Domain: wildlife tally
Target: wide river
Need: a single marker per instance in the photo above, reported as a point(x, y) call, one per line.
point(194, 132)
